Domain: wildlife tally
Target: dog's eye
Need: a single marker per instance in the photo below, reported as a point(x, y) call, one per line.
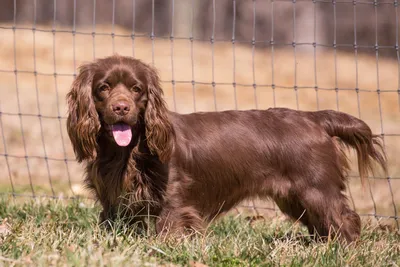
point(136, 89)
point(104, 87)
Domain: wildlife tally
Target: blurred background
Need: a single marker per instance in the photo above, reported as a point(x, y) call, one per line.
point(211, 55)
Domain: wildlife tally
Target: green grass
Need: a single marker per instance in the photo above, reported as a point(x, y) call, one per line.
point(54, 232)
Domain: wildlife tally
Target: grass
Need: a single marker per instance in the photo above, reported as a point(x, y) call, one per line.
point(54, 232)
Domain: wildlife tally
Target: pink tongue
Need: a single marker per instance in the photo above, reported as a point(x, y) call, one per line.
point(122, 133)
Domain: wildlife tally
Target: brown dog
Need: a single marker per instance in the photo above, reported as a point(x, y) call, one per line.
point(187, 169)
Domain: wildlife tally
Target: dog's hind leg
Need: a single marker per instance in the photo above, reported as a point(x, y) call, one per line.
point(329, 214)
point(291, 207)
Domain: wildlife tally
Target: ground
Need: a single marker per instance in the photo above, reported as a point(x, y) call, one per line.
point(54, 232)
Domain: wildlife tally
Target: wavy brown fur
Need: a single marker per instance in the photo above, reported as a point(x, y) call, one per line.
point(187, 169)
point(356, 134)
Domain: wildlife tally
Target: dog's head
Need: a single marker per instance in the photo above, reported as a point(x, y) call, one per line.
point(113, 95)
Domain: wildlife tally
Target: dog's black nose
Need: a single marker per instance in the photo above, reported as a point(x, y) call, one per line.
point(121, 108)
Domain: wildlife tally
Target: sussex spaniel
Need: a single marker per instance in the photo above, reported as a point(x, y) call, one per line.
point(187, 169)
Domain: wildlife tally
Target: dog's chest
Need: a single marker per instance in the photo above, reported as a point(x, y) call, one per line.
point(128, 183)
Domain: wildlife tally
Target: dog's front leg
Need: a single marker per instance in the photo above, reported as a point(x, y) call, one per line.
point(179, 221)
point(107, 216)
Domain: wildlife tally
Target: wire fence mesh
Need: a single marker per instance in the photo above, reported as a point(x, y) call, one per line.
point(289, 53)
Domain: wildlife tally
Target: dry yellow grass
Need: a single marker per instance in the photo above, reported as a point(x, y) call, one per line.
point(55, 54)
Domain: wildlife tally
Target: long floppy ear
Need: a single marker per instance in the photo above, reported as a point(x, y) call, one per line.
point(83, 121)
point(159, 130)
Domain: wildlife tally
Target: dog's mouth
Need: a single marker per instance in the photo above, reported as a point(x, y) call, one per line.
point(122, 133)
